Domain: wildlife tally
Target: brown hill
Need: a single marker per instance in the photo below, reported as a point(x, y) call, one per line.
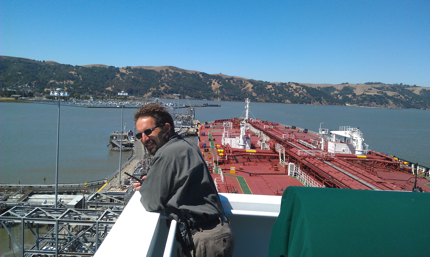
point(100, 80)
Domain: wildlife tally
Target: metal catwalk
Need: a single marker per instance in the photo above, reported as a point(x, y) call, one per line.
point(77, 232)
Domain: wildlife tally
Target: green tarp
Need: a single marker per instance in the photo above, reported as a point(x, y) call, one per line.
point(344, 222)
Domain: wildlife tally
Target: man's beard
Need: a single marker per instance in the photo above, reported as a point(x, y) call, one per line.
point(153, 149)
point(154, 145)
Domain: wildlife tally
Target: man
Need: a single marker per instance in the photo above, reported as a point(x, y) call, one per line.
point(179, 185)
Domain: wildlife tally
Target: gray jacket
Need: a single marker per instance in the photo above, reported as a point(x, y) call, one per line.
point(179, 184)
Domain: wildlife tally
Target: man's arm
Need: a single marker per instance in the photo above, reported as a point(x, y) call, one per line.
point(156, 188)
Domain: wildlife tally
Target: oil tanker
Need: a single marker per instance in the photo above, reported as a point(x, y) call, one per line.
point(252, 156)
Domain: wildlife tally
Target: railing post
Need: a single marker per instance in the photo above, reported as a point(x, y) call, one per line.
point(170, 240)
point(97, 235)
point(22, 236)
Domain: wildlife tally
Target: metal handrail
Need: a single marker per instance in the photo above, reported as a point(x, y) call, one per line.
point(170, 241)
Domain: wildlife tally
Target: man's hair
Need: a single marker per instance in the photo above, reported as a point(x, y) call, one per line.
point(159, 113)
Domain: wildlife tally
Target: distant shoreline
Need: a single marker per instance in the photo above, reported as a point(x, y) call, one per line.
point(32, 100)
point(11, 99)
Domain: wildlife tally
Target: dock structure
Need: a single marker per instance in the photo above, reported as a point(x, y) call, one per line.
point(86, 214)
point(42, 195)
point(119, 192)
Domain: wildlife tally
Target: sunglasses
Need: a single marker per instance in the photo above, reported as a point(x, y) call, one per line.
point(147, 132)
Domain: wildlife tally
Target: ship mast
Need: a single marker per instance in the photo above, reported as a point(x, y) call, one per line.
point(242, 139)
point(247, 107)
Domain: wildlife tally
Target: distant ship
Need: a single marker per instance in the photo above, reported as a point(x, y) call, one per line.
point(121, 141)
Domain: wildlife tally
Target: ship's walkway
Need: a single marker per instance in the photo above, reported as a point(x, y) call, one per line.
point(242, 183)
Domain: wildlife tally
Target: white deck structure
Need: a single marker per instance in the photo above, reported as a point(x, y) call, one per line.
point(141, 233)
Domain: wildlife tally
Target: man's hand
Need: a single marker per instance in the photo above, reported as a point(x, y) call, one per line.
point(137, 185)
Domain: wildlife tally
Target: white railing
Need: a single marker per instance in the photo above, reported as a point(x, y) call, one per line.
point(316, 153)
point(315, 142)
point(323, 131)
point(302, 176)
point(227, 127)
point(262, 145)
point(281, 150)
point(302, 142)
point(345, 128)
point(141, 233)
point(348, 128)
point(218, 170)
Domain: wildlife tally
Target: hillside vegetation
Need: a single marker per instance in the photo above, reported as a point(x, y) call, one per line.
point(30, 77)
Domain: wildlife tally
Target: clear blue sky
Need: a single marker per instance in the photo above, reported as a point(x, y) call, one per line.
point(277, 41)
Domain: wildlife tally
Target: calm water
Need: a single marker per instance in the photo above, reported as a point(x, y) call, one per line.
point(28, 142)
point(29, 132)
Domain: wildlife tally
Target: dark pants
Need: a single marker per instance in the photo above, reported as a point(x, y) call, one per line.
point(215, 241)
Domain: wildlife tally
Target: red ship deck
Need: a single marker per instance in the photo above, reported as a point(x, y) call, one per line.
point(257, 171)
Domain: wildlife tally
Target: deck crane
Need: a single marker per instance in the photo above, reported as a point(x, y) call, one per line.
point(356, 138)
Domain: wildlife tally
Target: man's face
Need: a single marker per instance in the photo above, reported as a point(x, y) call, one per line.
point(155, 140)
